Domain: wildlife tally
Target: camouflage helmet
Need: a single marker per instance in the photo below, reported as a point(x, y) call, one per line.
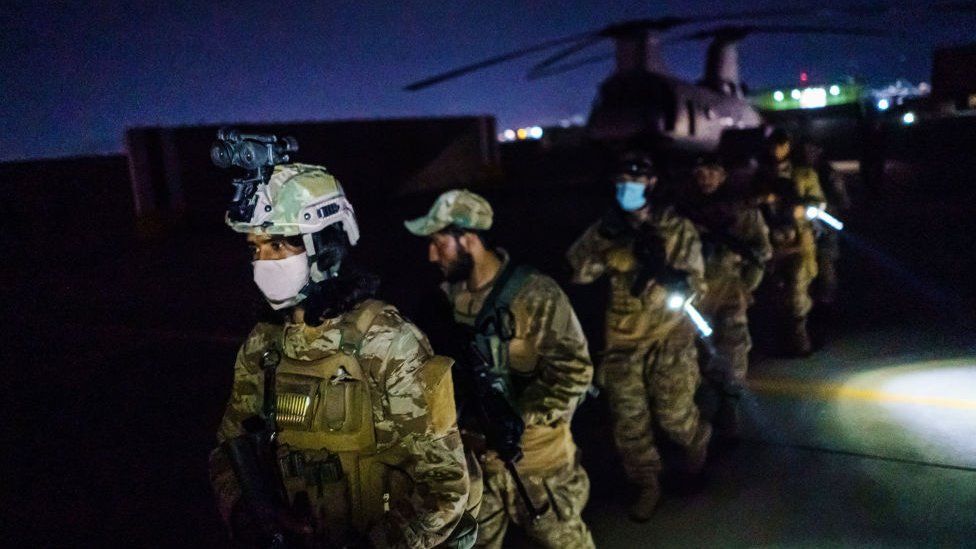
point(299, 199)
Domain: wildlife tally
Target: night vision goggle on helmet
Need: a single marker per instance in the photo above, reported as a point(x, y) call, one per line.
point(283, 199)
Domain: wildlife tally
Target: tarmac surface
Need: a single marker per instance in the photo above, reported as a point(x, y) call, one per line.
point(119, 361)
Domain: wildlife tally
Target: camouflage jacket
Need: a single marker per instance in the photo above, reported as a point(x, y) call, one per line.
point(803, 188)
point(635, 322)
point(550, 352)
point(735, 244)
point(426, 444)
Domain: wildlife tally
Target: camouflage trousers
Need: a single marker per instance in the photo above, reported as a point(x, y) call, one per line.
point(788, 281)
point(731, 340)
point(566, 490)
point(656, 386)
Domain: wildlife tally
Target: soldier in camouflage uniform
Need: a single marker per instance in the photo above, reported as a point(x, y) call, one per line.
point(542, 364)
point(786, 189)
point(735, 248)
point(649, 369)
point(367, 440)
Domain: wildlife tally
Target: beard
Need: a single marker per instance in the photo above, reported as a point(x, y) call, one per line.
point(459, 269)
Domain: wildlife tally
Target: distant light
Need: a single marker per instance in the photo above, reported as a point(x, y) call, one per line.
point(835, 90)
point(535, 132)
point(795, 94)
point(778, 95)
point(509, 135)
point(908, 118)
point(804, 77)
point(522, 133)
point(883, 104)
point(813, 98)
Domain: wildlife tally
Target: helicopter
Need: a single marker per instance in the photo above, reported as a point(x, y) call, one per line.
point(641, 101)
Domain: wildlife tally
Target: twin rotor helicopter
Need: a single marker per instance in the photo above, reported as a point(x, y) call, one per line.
point(641, 101)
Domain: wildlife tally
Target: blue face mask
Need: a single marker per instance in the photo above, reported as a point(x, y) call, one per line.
point(630, 195)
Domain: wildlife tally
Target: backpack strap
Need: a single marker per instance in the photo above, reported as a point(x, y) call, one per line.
point(357, 323)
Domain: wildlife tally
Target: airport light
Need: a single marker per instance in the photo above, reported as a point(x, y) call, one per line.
point(835, 90)
point(678, 301)
point(522, 133)
point(814, 212)
point(535, 132)
point(510, 135)
point(796, 94)
point(883, 104)
point(778, 96)
point(908, 118)
point(813, 98)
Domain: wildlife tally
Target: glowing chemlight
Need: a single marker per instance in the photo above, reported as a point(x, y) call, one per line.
point(813, 98)
point(908, 118)
point(796, 94)
point(883, 104)
point(535, 132)
point(835, 90)
point(522, 133)
point(778, 95)
point(678, 301)
point(814, 212)
point(509, 135)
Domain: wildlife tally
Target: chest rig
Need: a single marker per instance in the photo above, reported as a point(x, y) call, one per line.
point(494, 327)
point(330, 464)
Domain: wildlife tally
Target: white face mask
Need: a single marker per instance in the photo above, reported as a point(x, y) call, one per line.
point(280, 280)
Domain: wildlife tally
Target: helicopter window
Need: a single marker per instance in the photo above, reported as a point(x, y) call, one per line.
point(709, 113)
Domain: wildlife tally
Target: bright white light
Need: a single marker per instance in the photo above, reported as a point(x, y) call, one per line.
point(698, 319)
point(778, 96)
point(813, 98)
point(535, 132)
point(675, 301)
point(796, 94)
point(883, 104)
point(509, 135)
point(814, 212)
point(835, 90)
point(908, 118)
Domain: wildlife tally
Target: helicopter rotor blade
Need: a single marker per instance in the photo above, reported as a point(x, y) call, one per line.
point(491, 61)
point(648, 24)
point(567, 67)
point(738, 32)
point(540, 68)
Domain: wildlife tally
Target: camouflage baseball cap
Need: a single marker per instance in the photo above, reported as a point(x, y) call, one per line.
point(455, 207)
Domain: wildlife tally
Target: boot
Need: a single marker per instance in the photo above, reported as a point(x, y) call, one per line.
point(798, 340)
point(643, 508)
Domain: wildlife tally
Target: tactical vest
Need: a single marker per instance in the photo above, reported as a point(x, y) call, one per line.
point(494, 326)
point(328, 450)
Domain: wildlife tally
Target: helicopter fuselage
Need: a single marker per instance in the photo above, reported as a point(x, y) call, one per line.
point(654, 108)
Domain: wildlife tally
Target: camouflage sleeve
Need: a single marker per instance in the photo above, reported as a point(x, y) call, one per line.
point(245, 401)
point(587, 256)
point(547, 325)
point(752, 230)
point(808, 185)
point(683, 251)
point(420, 418)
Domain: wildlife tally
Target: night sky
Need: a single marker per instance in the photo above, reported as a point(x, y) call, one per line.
point(75, 74)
